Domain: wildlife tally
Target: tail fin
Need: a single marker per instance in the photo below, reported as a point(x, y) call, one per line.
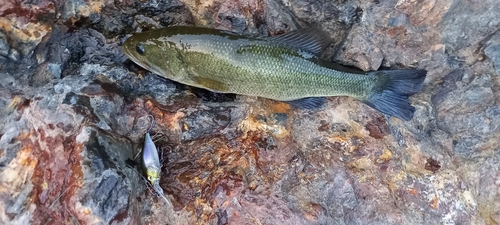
point(390, 96)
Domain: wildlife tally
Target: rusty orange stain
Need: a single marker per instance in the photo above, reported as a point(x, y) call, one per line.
point(166, 118)
point(148, 104)
point(310, 217)
point(24, 31)
point(434, 202)
point(339, 139)
point(76, 168)
point(280, 107)
point(14, 102)
point(252, 186)
point(173, 121)
point(162, 117)
point(485, 147)
point(392, 187)
point(413, 191)
point(242, 163)
point(6, 25)
point(360, 164)
point(386, 156)
point(97, 6)
point(25, 158)
point(18, 103)
point(24, 135)
point(250, 126)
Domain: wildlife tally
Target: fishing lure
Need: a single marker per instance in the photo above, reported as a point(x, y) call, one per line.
point(151, 163)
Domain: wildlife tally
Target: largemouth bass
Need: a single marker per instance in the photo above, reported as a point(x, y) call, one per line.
point(285, 68)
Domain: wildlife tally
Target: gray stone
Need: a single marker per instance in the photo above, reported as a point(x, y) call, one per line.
point(202, 123)
point(492, 50)
point(71, 9)
point(11, 150)
point(162, 90)
point(55, 69)
point(3, 62)
point(14, 55)
point(462, 26)
point(4, 46)
point(104, 175)
point(105, 109)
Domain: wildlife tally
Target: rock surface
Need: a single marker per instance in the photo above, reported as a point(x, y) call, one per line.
point(74, 111)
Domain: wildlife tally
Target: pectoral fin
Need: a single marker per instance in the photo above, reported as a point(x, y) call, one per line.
point(211, 84)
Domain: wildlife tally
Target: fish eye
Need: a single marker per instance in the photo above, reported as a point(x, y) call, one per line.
point(140, 49)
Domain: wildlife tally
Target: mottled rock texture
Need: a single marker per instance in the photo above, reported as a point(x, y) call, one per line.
point(73, 112)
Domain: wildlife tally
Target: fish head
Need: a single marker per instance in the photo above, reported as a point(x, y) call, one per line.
point(157, 53)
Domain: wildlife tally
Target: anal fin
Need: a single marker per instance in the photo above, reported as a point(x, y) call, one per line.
point(311, 103)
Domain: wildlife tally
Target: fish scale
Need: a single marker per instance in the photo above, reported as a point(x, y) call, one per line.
point(285, 68)
point(268, 71)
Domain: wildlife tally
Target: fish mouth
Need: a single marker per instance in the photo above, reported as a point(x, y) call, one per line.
point(140, 63)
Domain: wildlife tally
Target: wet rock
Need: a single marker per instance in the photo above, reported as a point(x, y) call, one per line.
point(14, 55)
point(470, 28)
point(3, 62)
point(392, 38)
point(140, 16)
point(251, 17)
point(331, 14)
point(204, 123)
point(46, 72)
point(365, 54)
point(75, 10)
point(67, 159)
point(74, 111)
point(4, 46)
point(329, 202)
point(111, 185)
point(24, 36)
point(71, 50)
point(486, 204)
point(55, 70)
point(468, 111)
point(492, 50)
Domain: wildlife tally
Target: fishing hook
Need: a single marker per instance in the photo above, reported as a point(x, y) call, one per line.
point(152, 123)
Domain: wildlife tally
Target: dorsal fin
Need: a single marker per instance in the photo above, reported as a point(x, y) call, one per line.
point(312, 40)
